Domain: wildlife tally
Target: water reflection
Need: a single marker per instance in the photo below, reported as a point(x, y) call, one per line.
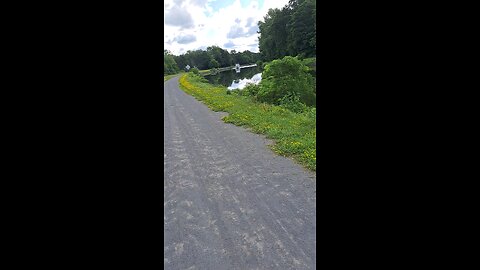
point(233, 80)
point(241, 83)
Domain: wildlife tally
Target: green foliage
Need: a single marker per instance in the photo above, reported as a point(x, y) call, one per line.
point(213, 63)
point(195, 71)
point(169, 64)
point(292, 102)
point(251, 90)
point(301, 29)
point(259, 64)
point(309, 61)
point(168, 77)
point(289, 31)
point(294, 133)
point(273, 34)
point(284, 78)
point(215, 57)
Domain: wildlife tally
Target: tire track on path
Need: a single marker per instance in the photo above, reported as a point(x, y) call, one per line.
point(230, 202)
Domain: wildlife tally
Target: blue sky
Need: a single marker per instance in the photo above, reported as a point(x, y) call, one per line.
point(229, 24)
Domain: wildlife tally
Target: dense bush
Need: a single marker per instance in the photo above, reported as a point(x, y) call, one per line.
point(198, 78)
point(251, 90)
point(292, 102)
point(195, 71)
point(286, 78)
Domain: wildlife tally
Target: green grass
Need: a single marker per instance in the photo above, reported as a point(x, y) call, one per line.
point(309, 61)
point(294, 133)
point(168, 77)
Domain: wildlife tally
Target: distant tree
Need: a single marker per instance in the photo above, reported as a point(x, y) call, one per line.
point(214, 57)
point(169, 64)
point(213, 63)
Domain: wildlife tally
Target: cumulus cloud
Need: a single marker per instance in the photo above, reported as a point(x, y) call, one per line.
point(200, 3)
point(235, 32)
point(249, 22)
point(228, 24)
point(229, 44)
point(252, 30)
point(177, 16)
point(185, 39)
point(178, 2)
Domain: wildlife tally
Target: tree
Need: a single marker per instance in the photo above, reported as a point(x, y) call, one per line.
point(273, 34)
point(301, 29)
point(213, 63)
point(214, 56)
point(169, 64)
point(289, 31)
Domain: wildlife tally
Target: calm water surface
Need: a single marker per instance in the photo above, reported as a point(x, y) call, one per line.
point(234, 80)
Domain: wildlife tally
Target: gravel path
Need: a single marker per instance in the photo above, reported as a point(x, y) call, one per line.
point(229, 201)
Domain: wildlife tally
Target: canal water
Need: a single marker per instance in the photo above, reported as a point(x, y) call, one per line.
point(234, 80)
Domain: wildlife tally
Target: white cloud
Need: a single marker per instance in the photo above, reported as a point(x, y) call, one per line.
point(185, 39)
point(176, 16)
point(204, 24)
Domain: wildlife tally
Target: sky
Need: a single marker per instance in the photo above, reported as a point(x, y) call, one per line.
point(228, 24)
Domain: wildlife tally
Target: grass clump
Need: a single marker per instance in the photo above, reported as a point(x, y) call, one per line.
point(168, 77)
point(293, 130)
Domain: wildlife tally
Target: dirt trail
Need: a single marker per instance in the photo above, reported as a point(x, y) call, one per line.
point(229, 201)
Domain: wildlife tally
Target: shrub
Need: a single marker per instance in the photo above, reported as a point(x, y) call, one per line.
point(198, 78)
point(284, 77)
point(292, 102)
point(195, 71)
point(250, 90)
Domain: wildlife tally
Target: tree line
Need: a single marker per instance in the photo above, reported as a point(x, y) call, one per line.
point(212, 57)
point(289, 31)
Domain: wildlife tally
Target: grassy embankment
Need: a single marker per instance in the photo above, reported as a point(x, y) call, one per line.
point(168, 77)
point(294, 133)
